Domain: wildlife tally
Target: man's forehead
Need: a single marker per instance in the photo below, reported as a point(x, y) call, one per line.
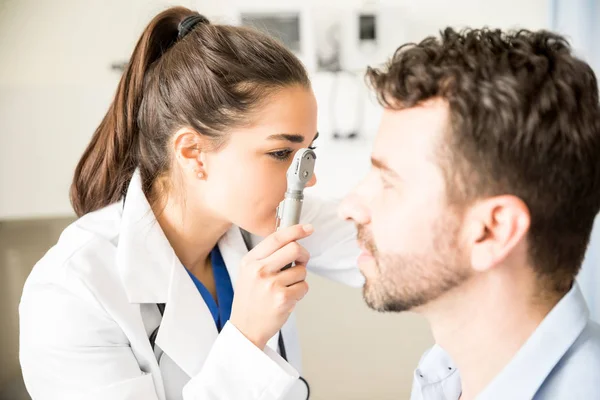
point(410, 136)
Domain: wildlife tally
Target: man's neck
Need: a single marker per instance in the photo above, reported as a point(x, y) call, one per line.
point(484, 323)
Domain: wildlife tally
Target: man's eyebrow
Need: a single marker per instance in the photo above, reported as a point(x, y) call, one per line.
point(382, 166)
point(290, 137)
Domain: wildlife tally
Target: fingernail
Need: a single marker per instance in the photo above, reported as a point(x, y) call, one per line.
point(308, 228)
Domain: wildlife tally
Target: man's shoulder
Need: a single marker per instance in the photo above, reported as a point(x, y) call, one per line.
point(585, 351)
point(577, 375)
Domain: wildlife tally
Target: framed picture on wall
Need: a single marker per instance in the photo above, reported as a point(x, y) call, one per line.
point(328, 30)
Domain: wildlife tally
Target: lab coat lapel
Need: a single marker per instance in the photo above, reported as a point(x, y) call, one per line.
point(152, 273)
point(187, 330)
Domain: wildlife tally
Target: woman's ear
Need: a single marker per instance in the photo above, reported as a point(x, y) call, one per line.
point(189, 148)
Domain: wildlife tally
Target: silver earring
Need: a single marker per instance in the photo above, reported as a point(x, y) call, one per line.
point(200, 175)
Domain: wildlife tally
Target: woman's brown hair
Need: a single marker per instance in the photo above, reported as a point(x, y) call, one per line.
point(210, 79)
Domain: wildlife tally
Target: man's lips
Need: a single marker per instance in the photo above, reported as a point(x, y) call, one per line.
point(365, 255)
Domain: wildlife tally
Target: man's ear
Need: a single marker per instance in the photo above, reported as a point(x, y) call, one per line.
point(496, 226)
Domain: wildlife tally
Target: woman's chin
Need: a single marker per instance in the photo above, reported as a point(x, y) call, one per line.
point(261, 228)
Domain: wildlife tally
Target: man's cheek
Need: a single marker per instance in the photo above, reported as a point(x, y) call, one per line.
point(384, 232)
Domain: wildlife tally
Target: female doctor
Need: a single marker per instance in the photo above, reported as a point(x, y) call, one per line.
point(135, 301)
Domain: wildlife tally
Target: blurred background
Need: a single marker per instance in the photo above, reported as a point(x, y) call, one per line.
point(60, 64)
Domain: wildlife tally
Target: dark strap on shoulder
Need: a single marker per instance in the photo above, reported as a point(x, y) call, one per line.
point(152, 338)
point(281, 345)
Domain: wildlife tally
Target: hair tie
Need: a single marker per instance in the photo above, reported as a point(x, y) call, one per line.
point(189, 22)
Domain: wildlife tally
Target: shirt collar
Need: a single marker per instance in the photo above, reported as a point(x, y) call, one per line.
point(542, 351)
point(522, 377)
point(437, 374)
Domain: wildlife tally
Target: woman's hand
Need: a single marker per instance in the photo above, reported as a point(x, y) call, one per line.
point(265, 296)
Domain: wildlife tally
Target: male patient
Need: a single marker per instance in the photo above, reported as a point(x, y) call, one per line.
point(478, 209)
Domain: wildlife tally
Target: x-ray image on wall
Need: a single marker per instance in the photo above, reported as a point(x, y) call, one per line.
point(284, 26)
point(328, 40)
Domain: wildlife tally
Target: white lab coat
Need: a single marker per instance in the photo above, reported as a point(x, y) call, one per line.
point(89, 306)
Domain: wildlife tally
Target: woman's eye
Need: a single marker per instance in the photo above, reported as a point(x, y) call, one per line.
point(281, 155)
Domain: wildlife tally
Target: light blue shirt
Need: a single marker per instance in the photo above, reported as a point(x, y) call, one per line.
point(559, 361)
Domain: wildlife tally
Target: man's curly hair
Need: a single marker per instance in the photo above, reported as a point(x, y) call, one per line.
point(524, 120)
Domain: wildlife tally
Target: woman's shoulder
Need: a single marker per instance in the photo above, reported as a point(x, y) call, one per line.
point(74, 296)
point(87, 247)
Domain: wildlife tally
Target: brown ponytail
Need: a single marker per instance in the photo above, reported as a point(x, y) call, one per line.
point(106, 167)
point(211, 79)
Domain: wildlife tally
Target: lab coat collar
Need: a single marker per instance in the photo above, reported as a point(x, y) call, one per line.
point(145, 258)
point(152, 273)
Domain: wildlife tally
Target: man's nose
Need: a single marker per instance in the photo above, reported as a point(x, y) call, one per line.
point(353, 208)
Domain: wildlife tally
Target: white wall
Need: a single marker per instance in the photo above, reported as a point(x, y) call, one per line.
point(55, 80)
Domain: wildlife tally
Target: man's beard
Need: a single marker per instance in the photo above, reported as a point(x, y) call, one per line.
point(402, 282)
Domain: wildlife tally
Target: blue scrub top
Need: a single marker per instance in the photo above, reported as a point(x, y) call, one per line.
point(222, 311)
